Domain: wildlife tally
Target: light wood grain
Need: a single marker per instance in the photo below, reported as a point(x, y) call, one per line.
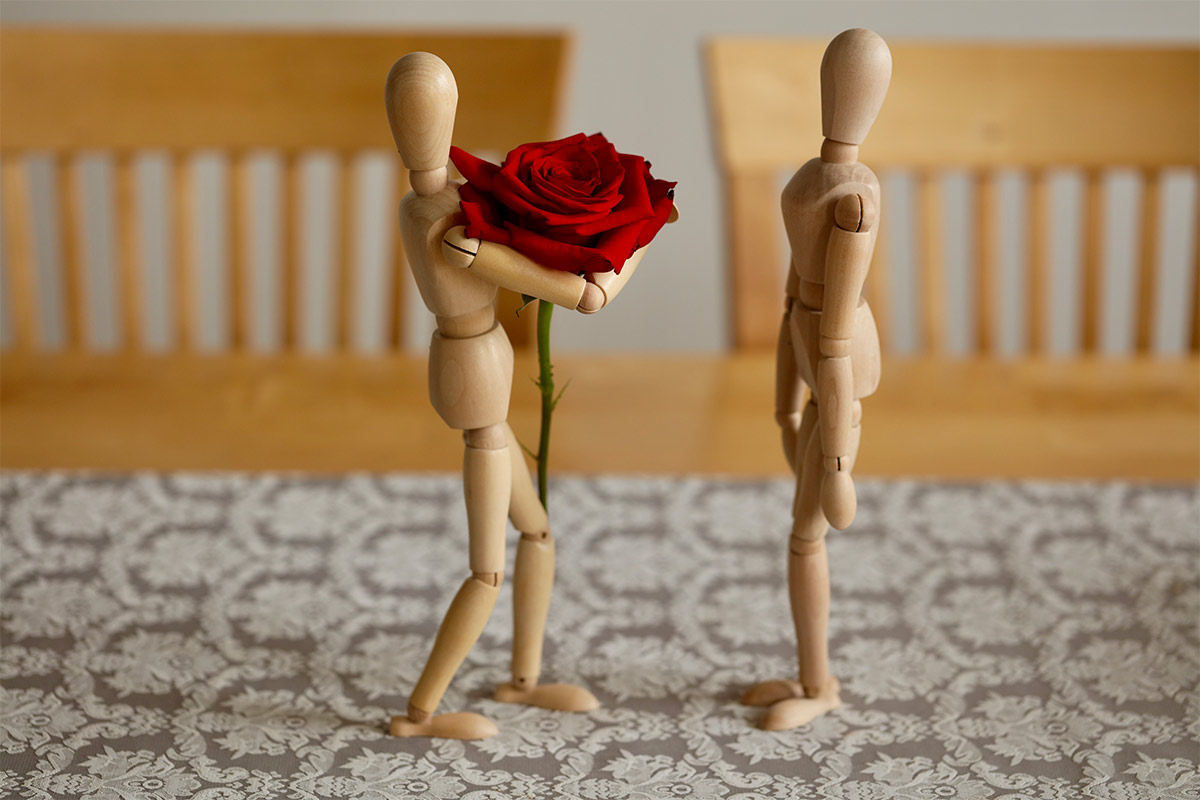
point(22, 275)
point(753, 208)
point(533, 581)
point(1147, 267)
point(1091, 267)
point(987, 288)
point(879, 285)
point(238, 189)
point(970, 105)
point(1056, 419)
point(129, 255)
point(175, 90)
point(1195, 338)
point(932, 263)
point(291, 285)
point(519, 320)
point(1037, 277)
point(502, 266)
point(127, 91)
point(396, 293)
point(345, 265)
point(978, 107)
point(70, 208)
point(186, 276)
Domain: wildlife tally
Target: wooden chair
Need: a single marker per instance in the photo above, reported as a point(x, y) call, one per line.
point(123, 93)
point(977, 108)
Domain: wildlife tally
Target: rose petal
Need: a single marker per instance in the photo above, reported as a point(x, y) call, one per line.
point(482, 220)
point(510, 193)
point(555, 254)
point(618, 244)
point(575, 204)
point(478, 173)
point(664, 192)
point(635, 205)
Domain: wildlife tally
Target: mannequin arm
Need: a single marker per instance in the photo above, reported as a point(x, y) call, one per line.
point(846, 262)
point(788, 388)
point(506, 267)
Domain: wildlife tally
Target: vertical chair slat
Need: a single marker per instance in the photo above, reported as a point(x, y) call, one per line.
point(289, 251)
point(1036, 277)
point(70, 209)
point(17, 232)
point(344, 269)
point(753, 200)
point(1194, 345)
point(519, 325)
point(986, 291)
point(1092, 266)
point(879, 287)
point(930, 252)
point(395, 307)
point(129, 254)
point(1148, 261)
point(238, 188)
point(184, 205)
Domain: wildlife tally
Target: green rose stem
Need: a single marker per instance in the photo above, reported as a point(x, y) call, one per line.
point(545, 383)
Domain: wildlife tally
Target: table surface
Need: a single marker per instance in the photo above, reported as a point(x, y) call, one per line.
point(246, 637)
point(621, 414)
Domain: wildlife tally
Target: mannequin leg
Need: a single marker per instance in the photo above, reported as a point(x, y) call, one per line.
point(808, 485)
point(533, 580)
point(808, 573)
point(808, 585)
point(487, 486)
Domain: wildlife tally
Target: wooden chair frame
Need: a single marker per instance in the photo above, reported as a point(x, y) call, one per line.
point(974, 107)
point(71, 91)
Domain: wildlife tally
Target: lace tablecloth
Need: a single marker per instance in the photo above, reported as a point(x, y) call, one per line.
point(234, 636)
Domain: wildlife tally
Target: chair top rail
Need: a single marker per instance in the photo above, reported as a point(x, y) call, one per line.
point(969, 106)
point(66, 90)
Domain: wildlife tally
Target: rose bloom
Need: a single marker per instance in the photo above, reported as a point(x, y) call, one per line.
point(575, 204)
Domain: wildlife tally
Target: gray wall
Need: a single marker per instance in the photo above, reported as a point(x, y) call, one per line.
point(638, 77)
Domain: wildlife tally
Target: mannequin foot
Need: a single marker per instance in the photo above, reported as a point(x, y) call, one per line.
point(770, 692)
point(554, 696)
point(459, 725)
point(793, 712)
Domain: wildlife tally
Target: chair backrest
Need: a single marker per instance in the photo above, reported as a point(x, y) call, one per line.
point(67, 92)
point(980, 109)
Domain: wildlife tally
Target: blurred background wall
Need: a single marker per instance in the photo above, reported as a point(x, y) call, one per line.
point(638, 77)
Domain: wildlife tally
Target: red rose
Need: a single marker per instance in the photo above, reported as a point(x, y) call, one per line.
point(575, 204)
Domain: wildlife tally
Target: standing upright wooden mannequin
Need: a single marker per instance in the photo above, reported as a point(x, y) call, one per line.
point(470, 379)
point(828, 341)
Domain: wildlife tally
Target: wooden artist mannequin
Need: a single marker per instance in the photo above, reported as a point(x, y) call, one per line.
point(470, 380)
point(828, 341)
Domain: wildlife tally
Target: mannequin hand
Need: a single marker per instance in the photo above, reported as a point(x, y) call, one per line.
point(838, 500)
point(592, 300)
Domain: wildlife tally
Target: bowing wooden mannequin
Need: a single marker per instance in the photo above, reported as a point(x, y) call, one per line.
point(470, 380)
point(827, 341)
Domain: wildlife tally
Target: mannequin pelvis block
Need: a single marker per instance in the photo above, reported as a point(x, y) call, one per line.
point(470, 380)
point(864, 348)
point(448, 291)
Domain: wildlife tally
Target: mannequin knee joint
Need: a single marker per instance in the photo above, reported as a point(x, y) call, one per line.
point(805, 547)
point(488, 578)
point(493, 437)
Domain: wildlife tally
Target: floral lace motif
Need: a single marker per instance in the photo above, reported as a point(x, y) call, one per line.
point(241, 637)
